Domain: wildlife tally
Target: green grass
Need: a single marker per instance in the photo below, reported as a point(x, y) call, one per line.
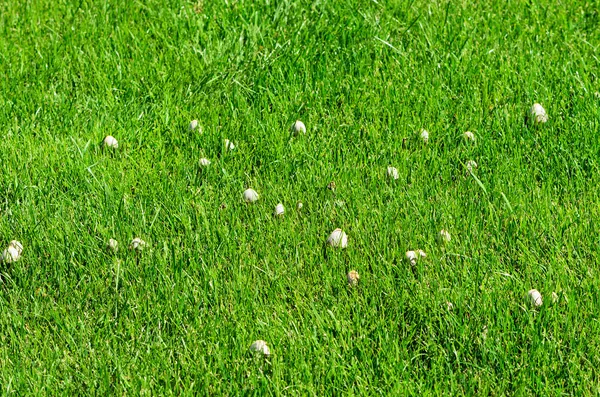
point(365, 77)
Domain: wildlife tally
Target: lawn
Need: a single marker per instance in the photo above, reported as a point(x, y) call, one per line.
point(217, 273)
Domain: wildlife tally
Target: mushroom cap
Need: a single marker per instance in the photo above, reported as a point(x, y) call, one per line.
point(250, 195)
point(412, 257)
point(471, 165)
point(353, 277)
point(279, 209)
point(468, 135)
point(137, 244)
point(535, 297)
point(112, 245)
point(10, 255)
point(111, 142)
point(17, 245)
point(444, 236)
point(260, 346)
point(338, 239)
point(298, 128)
point(229, 145)
point(538, 114)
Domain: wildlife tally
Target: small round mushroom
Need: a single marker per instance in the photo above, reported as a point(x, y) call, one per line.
point(112, 246)
point(535, 298)
point(392, 173)
point(299, 205)
point(411, 257)
point(204, 162)
point(10, 255)
point(137, 244)
point(250, 195)
point(16, 245)
point(229, 145)
point(110, 142)
point(424, 136)
point(194, 125)
point(260, 347)
point(337, 239)
point(298, 128)
point(469, 136)
point(484, 332)
point(353, 278)
point(471, 165)
point(279, 210)
point(538, 114)
point(444, 237)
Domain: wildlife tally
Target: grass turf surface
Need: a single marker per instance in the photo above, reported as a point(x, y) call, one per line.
point(365, 77)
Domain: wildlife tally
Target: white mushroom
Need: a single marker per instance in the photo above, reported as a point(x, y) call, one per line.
point(411, 257)
point(137, 244)
point(113, 245)
point(16, 245)
point(111, 142)
point(298, 128)
point(469, 136)
point(10, 255)
point(279, 210)
point(250, 195)
point(424, 136)
point(204, 162)
point(299, 205)
point(392, 173)
point(229, 145)
point(538, 114)
point(353, 278)
point(260, 346)
point(194, 125)
point(471, 165)
point(338, 239)
point(535, 298)
point(444, 237)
